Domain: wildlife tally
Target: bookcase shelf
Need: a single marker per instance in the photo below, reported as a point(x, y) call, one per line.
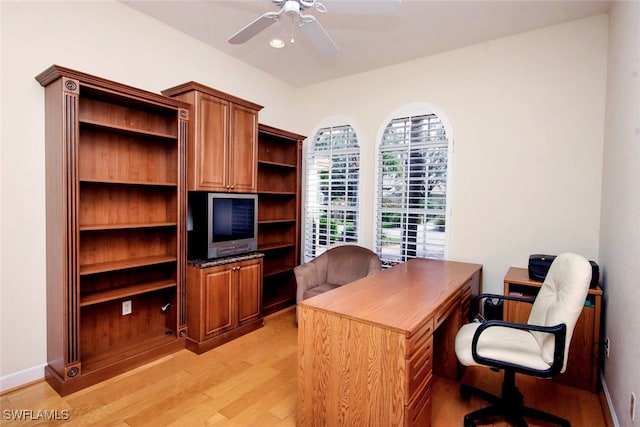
point(96, 227)
point(277, 245)
point(279, 169)
point(128, 182)
point(103, 360)
point(102, 267)
point(278, 221)
point(108, 127)
point(277, 164)
point(126, 291)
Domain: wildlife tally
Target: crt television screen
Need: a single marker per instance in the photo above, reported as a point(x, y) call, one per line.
point(233, 219)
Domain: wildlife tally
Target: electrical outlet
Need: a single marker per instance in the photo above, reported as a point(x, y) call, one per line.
point(607, 345)
point(632, 409)
point(126, 307)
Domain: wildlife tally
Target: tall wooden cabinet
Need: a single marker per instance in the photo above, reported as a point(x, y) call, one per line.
point(116, 226)
point(222, 150)
point(279, 178)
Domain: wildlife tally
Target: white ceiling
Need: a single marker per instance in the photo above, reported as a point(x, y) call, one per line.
point(365, 41)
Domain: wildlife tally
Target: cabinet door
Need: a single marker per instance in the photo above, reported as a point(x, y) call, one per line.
point(249, 292)
point(219, 312)
point(243, 150)
point(517, 312)
point(582, 353)
point(211, 136)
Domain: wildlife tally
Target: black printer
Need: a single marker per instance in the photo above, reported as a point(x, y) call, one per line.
point(539, 267)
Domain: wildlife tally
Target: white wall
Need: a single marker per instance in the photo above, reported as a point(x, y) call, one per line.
point(620, 221)
point(110, 40)
point(527, 116)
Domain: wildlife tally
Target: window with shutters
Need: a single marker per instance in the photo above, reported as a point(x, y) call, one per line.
point(411, 218)
point(332, 181)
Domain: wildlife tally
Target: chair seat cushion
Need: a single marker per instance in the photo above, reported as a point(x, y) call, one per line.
point(500, 343)
point(317, 290)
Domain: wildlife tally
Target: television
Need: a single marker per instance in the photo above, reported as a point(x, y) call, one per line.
point(222, 224)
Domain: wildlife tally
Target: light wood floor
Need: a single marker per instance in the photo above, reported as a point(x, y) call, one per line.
point(252, 382)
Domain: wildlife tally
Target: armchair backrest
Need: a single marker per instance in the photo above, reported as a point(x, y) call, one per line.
point(348, 263)
point(560, 300)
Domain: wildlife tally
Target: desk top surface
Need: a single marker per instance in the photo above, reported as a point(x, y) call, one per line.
point(400, 297)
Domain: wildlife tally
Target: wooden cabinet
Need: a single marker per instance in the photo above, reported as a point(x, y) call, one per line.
point(279, 177)
point(222, 152)
point(116, 221)
point(224, 301)
point(584, 351)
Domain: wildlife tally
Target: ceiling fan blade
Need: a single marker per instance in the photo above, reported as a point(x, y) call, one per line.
point(362, 7)
point(318, 36)
point(258, 25)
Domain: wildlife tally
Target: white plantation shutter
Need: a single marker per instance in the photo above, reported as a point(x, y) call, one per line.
point(332, 174)
point(412, 189)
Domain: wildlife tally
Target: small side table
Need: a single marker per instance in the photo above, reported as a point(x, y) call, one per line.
point(584, 351)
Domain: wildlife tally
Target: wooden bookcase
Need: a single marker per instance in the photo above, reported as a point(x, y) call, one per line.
point(279, 181)
point(116, 227)
point(584, 351)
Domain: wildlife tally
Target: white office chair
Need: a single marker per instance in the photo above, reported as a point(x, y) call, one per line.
point(539, 348)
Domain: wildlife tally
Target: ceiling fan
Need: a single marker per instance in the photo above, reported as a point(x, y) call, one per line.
point(308, 23)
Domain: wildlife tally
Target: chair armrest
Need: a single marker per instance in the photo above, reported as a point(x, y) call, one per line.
point(306, 278)
point(474, 307)
point(374, 265)
point(559, 332)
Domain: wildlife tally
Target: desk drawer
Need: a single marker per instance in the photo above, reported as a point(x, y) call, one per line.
point(446, 308)
point(419, 338)
point(465, 299)
point(418, 412)
point(419, 368)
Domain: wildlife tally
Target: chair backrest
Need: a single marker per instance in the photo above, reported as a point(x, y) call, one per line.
point(348, 263)
point(560, 300)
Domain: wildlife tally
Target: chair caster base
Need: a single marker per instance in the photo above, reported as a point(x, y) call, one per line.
point(509, 406)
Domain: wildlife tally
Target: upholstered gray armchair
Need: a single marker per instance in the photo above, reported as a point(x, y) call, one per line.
point(336, 267)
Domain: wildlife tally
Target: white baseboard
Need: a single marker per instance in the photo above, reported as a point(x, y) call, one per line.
point(21, 378)
point(612, 411)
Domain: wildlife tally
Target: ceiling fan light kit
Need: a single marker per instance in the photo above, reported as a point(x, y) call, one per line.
point(309, 24)
point(276, 43)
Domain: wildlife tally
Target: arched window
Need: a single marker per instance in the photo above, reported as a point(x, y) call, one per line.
point(412, 171)
point(332, 180)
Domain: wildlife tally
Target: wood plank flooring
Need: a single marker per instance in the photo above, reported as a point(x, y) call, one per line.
point(251, 382)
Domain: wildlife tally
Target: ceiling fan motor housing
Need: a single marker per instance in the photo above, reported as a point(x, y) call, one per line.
point(292, 7)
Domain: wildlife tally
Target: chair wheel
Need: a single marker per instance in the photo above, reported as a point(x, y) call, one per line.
point(468, 423)
point(465, 392)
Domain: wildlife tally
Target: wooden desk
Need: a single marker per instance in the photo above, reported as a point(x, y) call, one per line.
point(365, 350)
point(582, 363)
